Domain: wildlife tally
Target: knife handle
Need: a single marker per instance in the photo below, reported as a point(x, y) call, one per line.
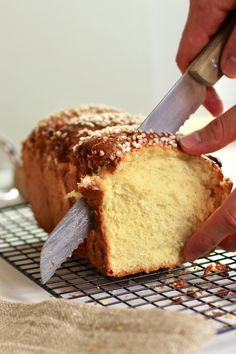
point(206, 66)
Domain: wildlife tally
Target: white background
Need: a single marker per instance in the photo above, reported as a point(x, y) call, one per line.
point(57, 54)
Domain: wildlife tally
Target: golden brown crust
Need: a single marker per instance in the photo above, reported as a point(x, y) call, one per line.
point(55, 137)
point(96, 245)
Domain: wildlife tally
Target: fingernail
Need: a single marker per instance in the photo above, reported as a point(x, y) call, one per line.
point(191, 140)
point(229, 67)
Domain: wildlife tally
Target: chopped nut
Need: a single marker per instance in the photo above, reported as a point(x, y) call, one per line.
point(207, 270)
point(177, 299)
point(157, 288)
point(221, 268)
point(179, 283)
point(136, 145)
point(216, 268)
point(75, 147)
point(193, 294)
point(222, 293)
point(118, 153)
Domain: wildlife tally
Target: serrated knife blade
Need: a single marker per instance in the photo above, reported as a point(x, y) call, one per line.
point(64, 239)
point(181, 101)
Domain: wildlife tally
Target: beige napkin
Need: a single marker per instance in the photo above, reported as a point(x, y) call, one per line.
point(66, 326)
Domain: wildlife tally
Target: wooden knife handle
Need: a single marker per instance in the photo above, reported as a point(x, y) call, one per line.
point(206, 66)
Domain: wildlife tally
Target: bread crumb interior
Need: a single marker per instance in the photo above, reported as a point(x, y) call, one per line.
point(153, 203)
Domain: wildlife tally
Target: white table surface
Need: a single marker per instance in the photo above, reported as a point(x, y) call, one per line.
point(16, 287)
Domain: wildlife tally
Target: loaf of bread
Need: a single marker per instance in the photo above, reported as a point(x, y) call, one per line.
point(146, 195)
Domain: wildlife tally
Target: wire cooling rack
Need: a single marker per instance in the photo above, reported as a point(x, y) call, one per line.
point(192, 288)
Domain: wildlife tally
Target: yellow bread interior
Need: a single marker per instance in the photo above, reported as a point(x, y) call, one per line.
point(152, 204)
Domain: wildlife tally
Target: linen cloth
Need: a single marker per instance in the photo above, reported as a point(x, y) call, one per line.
point(71, 327)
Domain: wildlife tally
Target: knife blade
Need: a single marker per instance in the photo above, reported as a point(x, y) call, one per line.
point(181, 101)
point(69, 233)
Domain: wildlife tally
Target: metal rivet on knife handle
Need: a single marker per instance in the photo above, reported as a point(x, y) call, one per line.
point(206, 67)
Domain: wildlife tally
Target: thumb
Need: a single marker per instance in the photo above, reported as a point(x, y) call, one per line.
point(228, 61)
point(217, 134)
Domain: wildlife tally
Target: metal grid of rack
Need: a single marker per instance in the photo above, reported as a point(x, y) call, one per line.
point(193, 288)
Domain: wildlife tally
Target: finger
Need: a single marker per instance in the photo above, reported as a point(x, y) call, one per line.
point(213, 102)
point(218, 226)
point(200, 27)
point(228, 61)
point(229, 243)
point(217, 134)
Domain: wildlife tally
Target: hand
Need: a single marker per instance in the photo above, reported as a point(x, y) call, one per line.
point(204, 19)
point(220, 227)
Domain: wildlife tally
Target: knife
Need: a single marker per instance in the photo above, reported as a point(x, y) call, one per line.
point(180, 102)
